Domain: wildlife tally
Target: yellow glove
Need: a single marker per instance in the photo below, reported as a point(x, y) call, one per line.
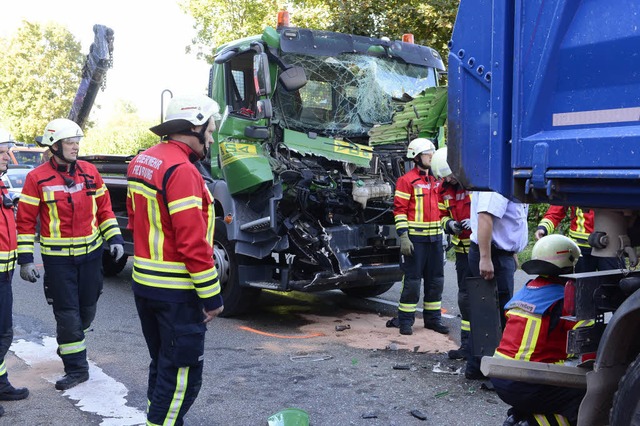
point(406, 246)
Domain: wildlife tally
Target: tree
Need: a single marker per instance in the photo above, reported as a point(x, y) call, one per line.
point(218, 21)
point(125, 133)
point(39, 76)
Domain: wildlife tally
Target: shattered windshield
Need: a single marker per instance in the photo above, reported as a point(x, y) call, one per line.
point(347, 95)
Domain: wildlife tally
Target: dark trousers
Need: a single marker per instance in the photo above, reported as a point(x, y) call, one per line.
point(462, 270)
point(426, 263)
point(72, 285)
point(175, 334)
point(529, 398)
point(504, 268)
point(591, 263)
point(6, 324)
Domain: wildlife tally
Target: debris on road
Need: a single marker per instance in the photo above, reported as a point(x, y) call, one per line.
point(418, 414)
point(310, 357)
point(342, 327)
point(437, 369)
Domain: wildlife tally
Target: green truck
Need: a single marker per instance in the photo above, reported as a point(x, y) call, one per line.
point(312, 139)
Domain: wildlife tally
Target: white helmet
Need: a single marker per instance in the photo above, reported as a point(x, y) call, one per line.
point(185, 112)
point(58, 129)
point(6, 138)
point(553, 254)
point(439, 164)
point(418, 146)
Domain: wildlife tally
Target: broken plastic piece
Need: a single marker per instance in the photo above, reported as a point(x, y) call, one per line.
point(418, 414)
point(402, 367)
point(343, 327)
point(372, 415)
point(311, 357)
point(289, 417)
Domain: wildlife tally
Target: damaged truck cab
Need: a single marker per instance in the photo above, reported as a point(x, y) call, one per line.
point(312, 139)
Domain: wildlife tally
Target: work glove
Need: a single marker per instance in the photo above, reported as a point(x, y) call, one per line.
point(29, 272)
point(466, 223)
point(116, 251)
point(454, 227)
point(406, 246)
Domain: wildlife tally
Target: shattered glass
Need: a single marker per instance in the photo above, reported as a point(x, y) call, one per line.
point(349, 94)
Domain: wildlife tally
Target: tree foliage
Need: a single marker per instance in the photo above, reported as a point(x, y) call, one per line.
point(219, 21)
point(125, 133)
point(39, 76)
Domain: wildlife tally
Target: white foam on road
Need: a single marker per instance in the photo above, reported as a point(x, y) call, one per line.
point(101, 394)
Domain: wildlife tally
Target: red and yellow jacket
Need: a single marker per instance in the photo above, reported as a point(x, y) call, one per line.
point(454, 203)
point(535, 330)
point(8, 238)
point(415, 205)
point(581, 222)
point(74, 209)
point(172, 217)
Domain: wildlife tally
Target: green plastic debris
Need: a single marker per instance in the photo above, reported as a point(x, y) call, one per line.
point(289, 417)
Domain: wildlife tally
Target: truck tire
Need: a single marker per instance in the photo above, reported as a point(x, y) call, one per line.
point(626, 405)
point(236, 299)
point(371, 291)
point(110, 266)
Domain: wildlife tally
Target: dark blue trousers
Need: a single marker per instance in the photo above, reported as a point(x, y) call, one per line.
point(591, 263)
point(6, 324)
point(72, 285)
point(504, 268)
point(175, 334)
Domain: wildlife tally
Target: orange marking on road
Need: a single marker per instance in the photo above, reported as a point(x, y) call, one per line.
point(279, 336)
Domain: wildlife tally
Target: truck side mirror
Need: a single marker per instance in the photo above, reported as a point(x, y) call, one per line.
point(293, 79)
point(261, 77)
point(264, 109)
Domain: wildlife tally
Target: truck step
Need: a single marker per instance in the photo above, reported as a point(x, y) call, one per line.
point(267, 285)
point(257, 225)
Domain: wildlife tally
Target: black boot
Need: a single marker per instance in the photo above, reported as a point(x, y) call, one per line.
point(405, 326)
point(437, 326)
point(460, 353)
point(13, 394)
point(71, 380)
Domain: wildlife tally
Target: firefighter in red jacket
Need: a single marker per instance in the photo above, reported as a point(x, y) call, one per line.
point(454, 203)
point(417, 220)
point(176, 288)
point(579, 229)
point(74, 208)
point(536, 330)
point(8, 257)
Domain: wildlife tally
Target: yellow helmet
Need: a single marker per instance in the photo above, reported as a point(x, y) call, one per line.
point(439, 165)
point(553, 254)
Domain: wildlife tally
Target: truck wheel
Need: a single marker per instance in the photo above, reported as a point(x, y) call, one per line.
point(110, 266)
point(237, 299)
point(626, 405)
point(371, 291)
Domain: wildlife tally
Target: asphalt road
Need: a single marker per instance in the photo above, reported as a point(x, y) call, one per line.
point(285, 354)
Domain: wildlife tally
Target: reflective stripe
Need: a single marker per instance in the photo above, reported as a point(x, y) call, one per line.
point(8, 261)
point(432, 306)
point(548, 225)
point(70, 246)
point(562, 420)
point(182, 381)
point(27, 199)
point(109, 228)
point(72, 348)
point(3, 368)
point(542, 420)
point(402, 195)
point(407, 307)
point(530, 334)
point(156, 235)
point(465, 325)
point(183, 204)
point(25, 243)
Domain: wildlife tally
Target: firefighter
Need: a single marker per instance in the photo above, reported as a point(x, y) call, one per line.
point(454, 203)
point(176, 288)
point(579, 229)
point(8, 256)
point(71, 201)
point(417, 219)
point(536, 330)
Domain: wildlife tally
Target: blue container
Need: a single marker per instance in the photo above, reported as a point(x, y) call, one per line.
point(544, 105)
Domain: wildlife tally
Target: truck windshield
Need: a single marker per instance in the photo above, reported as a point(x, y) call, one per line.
point(349, 94)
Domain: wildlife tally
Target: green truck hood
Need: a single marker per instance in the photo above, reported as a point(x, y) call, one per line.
point(422, 115)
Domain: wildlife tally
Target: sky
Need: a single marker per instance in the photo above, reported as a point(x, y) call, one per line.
point(149, 56)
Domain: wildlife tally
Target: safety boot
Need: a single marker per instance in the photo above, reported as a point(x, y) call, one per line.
point(71, 380)
point(437, 326)
point(13, 394)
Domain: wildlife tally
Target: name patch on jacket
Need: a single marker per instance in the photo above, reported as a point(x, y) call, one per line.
point(145, 166)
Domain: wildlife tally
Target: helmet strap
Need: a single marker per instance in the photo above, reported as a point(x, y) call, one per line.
point(201, 137)
point(60, 154)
